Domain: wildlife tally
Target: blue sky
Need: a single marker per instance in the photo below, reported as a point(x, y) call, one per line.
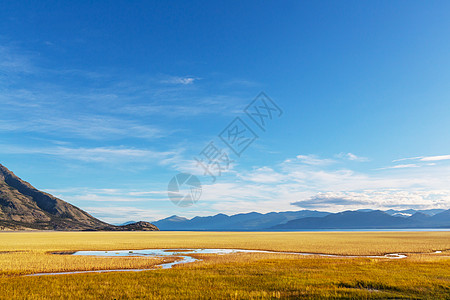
point(102, 104)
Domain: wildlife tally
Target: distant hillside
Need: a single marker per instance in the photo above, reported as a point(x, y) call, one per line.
point(369, 220)
point(247, 221)
point(310, 220)
point(24, 207)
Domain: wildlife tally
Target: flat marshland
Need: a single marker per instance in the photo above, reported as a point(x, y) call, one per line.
point(423, 274)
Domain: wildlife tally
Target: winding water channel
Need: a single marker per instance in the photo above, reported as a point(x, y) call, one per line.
point(185, 256)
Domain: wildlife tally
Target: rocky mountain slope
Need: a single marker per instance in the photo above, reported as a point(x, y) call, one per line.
point(24, 207)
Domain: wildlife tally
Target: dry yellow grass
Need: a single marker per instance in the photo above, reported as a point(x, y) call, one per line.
point(250, 276)
point(29, 252)
point(236, 276)
point(346, 243)
point(37, 262)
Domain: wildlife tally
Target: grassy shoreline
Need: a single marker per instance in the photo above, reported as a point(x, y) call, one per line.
point(250, 277)
point(236, 276)
point(345, 243)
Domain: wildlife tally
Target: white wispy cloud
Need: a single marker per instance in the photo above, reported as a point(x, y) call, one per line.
point(289, 185)
point(95, 154)
point(425, 158)
point(120, 214)
point(263, 175)
point(320, 184)
point(107, 106)
point(180, 80)
point(390, 198)
point(435, 158)
point(311, 159)
point(403, 166)
point(13, 60)
point(88, 127)
point(116, 205)
point(188, 106)
point(417, 162)
point(352, 157)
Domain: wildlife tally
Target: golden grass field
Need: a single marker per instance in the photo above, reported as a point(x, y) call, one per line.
point(423, 275)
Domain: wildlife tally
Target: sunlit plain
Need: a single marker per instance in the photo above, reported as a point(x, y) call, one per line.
point(424, 274)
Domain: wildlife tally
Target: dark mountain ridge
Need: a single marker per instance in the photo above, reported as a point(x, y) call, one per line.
point(23, 207)
point(369, 220)
point(244, 221)
point(310, 220)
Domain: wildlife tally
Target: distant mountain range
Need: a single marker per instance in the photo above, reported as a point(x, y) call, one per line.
point(249, 221)
point(23, 207)
point(370, 220)
point(310, 220)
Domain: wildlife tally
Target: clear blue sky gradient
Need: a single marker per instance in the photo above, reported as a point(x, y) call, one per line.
point(102, 103)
